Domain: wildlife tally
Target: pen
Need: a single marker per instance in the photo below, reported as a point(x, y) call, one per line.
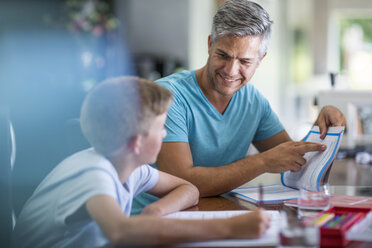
point(323, 219)
point(260, 195)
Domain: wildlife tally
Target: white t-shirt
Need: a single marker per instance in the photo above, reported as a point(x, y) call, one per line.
point(46, 219)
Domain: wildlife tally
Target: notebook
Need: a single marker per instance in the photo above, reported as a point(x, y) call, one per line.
point(312, 175)
point(270, 238)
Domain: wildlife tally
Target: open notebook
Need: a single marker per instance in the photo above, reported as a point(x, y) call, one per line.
point(312, 175)
point(270, 238)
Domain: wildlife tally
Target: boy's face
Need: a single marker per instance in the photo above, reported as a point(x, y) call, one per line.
point(151, 143)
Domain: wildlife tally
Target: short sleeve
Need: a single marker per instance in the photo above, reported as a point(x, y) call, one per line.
point(176, 123)
point(143, 179)
point(78, 189)
point(269, 124)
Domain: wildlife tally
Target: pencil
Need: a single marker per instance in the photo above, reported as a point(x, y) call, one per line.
point(353, 219)
point(335, 221)
point(260, 195)
point(309, 220)
point(329, 224)
point(345, 220)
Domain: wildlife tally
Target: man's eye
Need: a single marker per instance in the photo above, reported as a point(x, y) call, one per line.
point(245, 62)
point(224, 56)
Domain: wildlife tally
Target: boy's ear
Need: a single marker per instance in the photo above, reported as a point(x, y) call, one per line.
point(135, 144)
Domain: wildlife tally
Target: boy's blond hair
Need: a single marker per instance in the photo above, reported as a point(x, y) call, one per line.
point(118, 109)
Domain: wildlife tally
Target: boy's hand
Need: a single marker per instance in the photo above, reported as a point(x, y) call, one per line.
point(251, 225)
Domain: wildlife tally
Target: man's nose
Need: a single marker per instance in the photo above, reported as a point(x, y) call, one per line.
point(232, 67)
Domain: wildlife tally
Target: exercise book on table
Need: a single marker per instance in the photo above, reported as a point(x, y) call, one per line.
point(270, 238)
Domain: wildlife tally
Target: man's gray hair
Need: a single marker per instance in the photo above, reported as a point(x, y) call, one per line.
point(242, 18)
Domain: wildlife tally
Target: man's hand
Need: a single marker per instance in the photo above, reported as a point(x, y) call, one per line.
point(288, 156)
point(329, 116)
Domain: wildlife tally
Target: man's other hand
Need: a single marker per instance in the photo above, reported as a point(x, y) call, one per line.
point(329, 116)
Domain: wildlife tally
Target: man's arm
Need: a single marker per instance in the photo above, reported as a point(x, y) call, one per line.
point(279, 154)
point(131, 231)
point(176, 194)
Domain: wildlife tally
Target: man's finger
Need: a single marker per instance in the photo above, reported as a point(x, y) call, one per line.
point(323, 129)
point(311, 147)
point(300, 160)
point(295, 168)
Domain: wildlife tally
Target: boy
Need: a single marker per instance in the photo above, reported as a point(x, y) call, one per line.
point(86, 200)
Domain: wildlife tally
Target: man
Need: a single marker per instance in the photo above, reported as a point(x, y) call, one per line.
point(217, 114)
point(86, 200)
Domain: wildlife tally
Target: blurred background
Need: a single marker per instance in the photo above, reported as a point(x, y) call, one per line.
point(53, 52)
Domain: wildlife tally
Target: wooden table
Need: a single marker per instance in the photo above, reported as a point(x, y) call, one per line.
point(349, 173)
point(229, 202)
point(346, 178)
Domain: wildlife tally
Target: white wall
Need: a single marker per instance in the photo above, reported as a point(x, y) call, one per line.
point(158, 27)
point(200, 25)
point(270, 76)
point(180, 28)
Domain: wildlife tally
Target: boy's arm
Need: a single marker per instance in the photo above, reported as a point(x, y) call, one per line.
point(130, 231)
point(176, 194)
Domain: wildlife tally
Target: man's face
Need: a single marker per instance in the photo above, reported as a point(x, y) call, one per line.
point(151, 143)
point(232, 62)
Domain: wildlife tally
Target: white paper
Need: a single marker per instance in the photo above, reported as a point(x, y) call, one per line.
point(312, 173)
point(361, 231)
point(270, 238)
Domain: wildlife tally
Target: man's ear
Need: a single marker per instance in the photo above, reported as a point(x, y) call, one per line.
point(135, 144)
point(263, 56)
point(209, 45)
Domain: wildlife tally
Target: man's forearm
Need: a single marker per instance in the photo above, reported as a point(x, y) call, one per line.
point(217, 180)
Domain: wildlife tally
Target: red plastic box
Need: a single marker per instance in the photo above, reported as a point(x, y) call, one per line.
point(336, 237)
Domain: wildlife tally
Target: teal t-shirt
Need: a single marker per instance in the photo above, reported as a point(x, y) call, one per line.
point(215, 139)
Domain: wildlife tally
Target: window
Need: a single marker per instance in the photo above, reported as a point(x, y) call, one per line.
point(356, 50)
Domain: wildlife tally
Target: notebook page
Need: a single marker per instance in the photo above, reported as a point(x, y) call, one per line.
point(313, 172)
point(270, 238)
point(361, 231)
